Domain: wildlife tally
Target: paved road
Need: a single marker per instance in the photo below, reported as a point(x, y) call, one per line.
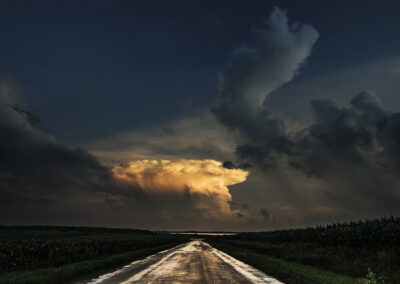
point(193, 262)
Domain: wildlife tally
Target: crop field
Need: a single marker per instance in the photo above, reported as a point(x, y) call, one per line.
point(357, 252)
point(367, 250)
point(27, 254)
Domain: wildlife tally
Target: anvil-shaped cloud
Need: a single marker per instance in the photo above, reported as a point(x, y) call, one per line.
point(43, 181)
point(204, 181)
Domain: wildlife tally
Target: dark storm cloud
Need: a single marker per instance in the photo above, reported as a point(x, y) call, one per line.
point(353, 152)
point(345, 163)
point(30, 117)
point(34, 164)
point(356, 152)
point(43, 181)
point(231, 165)
point(347, 136)
point(264, 213)
point(228, 165)
point(253, 72)
point(239, 215)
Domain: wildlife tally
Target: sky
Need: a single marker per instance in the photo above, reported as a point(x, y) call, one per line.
point(199, 115)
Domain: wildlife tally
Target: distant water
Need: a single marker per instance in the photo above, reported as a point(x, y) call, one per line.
point(204, 234)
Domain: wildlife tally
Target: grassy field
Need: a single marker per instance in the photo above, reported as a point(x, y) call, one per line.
point(339, 253)
point(67, 254)
point(358, 252)
point(285, 271)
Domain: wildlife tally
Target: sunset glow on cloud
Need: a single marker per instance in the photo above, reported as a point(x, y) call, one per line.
point(205, 181)
point(264, 118)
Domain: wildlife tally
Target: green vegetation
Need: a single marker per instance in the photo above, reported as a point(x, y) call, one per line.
point(65, 254)
point(368, 250)
point(365, 252)
point(285, 271)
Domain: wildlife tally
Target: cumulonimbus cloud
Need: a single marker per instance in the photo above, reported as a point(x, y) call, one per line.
point(353, 151)
point(253, 72)
point(345, 163)
point(204, 182)
point(43, 181)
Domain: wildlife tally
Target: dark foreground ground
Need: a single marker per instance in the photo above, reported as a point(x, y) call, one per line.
point(367, 251)
point(362, 252)
point(69, 254)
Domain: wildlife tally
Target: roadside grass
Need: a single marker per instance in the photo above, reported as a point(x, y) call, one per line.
point(73, 272)
point(343, 260)
point(50, 254)
point(285, 271)
point(22, 250)
point(365, 249)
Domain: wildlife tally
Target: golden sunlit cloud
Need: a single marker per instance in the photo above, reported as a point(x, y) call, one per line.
point(204, 181)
